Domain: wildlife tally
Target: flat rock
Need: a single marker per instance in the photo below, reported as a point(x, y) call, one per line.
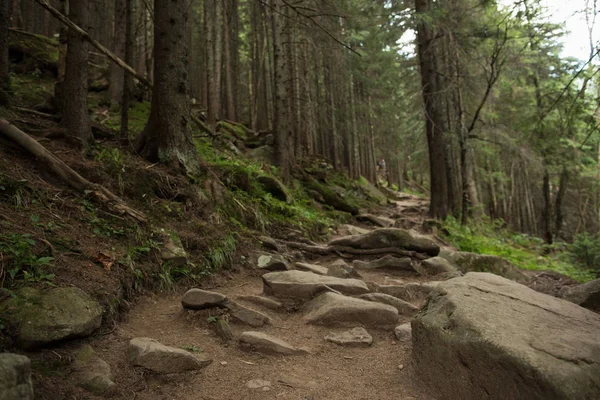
point(340, 269)
point(403, 307)
point(471, 262)
point(502, 340)
point(42, 317)
point(304, 285)
point(389, 238)
point(247, 315)
point(378, 220)
point(172, 251)
point(269, 243)
point(408, 291)
point(15, 377)
point(335, 309)
point(354, 337)
point(198, 299)
point(92, 373)
point(586, 295)
point(388, 263)
point(271, 262)
point(314, 268)
point(437, 265)
point(267, 344)
point(348, 230)
point(152, 355)
point(262, 301)
point(403, 333)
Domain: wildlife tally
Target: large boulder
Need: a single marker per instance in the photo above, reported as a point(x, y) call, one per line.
point(15, 377)
point(198, 299)
point(152, 355)
point(304, 285)
point(339, 310)
point(389, 238)
point(373, 192)
point(586, 295)
point(502, 340)
point(44, 317)
point(471, 262)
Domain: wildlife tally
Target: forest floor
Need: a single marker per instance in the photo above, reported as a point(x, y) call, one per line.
point(329, 371)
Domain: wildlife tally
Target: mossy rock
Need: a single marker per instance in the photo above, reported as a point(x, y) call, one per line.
point(43, 317)
point(275, 188)
point(31, 52)
point(328, 196)
point(234, 130)
point(372, 191)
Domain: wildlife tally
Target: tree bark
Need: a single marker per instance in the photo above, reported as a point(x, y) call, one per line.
point(4, 61)
point(118, 46)
point(75, 87)
point(167, 137)
point(127, 80)
point(433, 115)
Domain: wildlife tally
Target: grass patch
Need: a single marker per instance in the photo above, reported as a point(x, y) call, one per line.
point(526, 252)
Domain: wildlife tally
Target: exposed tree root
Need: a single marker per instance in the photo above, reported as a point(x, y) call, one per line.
point(98, 193)
point(327, 250)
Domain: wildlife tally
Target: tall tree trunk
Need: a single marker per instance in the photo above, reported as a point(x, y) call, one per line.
point(433, 115)
point(127, 78)
point(4, 61)
point(228, 62)
point(75, 86)
point(167, 137)
point(118, 47)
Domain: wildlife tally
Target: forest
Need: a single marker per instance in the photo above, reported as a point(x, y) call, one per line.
point(148, 146)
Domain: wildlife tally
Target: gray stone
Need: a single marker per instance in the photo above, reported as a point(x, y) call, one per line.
point(409, 291)
point(354, 337)
point(172, 251)
point(340, 269)
point(379, 220)
point(247, 315)
point(15, 377)
point(403, 307)
point(267, 344)
point(349, 230)
point(259, 384)
point(92, 373)
point(315, 269)
point(269, 243)
point(437, 265)
point(586, 295)
point(403, 333)
point(338, 310)
point(388, 263)
point(198, 299)
point(304, 285)
point(152, 355)
point(269, 262)
point(389, 238)
point(502, 340)
point(263, 302)
point(43, 317)
point(471, 262)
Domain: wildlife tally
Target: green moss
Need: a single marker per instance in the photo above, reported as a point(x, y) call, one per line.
point(138, 116)
point(42, 48)
point(237, 131)
point(31, 89)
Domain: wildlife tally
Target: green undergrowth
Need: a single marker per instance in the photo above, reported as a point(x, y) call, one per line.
point(527, 252)
point(31, 89)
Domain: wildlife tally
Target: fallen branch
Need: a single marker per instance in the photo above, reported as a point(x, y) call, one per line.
point(66, 21)
point(97, 192)
point(327, 250)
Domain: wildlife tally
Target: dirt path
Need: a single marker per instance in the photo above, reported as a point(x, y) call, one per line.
point(330, 372)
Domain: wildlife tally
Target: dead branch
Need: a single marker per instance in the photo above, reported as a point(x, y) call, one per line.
point(97, 192)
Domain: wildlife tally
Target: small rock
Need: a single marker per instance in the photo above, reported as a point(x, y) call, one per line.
point(269, 243)
point(270, 262)
point(388, 263)
point(198, 299)
point(41, 317)
point(336, 309)
point(403, 307)
point(223, 329)
point(15, 377)
point(437, 265)
point(152, 355)
point(258, 384)
point(262, 301)
point(340, 269)
point(93, 373)
point(223, 362)
point(315, 269)
point(351, 230)
point(247, 315)
point(403, 333)
point(303, 285)
point(353, 337)
point(172, 251)
point(268, 344)
point(297, 382)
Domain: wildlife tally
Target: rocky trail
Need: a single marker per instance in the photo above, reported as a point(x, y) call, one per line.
point(308, 323)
